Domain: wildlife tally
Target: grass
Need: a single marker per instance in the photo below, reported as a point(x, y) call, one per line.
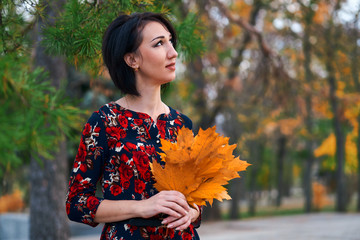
point(273, 212)
point(286, 210)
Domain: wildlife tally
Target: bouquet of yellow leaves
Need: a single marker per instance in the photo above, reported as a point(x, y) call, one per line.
point(198, 167)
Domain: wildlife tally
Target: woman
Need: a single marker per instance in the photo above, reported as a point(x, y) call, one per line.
point(121, 139)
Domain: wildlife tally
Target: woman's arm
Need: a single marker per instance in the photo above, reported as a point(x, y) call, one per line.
point(172, 203)
point(81, 202)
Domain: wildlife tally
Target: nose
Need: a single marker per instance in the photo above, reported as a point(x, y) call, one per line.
point(172, 53)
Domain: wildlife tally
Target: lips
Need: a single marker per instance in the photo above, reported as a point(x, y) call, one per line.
point(171, 66)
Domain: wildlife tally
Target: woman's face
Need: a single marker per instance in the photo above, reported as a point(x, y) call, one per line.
point(156, 55)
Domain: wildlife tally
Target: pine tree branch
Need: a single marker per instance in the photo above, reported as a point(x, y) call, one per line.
point(22, 33)
point(2, 28)
point(1, 7)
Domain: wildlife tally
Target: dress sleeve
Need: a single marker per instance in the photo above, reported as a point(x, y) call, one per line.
point(81, 202)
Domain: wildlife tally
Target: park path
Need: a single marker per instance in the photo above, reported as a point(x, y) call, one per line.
point(320, 226)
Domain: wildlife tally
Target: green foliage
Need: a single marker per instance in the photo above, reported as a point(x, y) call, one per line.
point(265, 175)
point(12, 29)
point(34, 115)
point(190, 42)
point(78, 33)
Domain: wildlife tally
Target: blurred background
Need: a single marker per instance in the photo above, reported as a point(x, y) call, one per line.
point(281, 78)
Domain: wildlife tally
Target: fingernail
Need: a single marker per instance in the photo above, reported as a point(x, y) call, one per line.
point(170, 226)
point(164, 222)
point(177, 229)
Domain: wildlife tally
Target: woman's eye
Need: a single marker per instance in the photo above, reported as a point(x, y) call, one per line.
point(159, 44)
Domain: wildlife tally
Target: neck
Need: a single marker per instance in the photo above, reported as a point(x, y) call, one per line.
point(148, 102)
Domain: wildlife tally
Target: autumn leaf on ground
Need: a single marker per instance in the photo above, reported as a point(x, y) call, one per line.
point(198, 167)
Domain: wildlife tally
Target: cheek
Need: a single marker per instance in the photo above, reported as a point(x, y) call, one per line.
point(153, 57)
point(156, 60)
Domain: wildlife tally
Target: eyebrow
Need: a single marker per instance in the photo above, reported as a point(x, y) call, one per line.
point(160, 37)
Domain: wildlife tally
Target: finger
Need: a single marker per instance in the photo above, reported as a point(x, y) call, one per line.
point(169, 219)
point(174, 206)
point(196, 207)
point(184, 226)
point(181, 223)
point(182, 201)
point(169, 201)
point(169, 211)
point(179, 198)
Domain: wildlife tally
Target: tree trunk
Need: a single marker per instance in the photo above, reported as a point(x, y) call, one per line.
point(236, 186)
point(48, 177)
point(256, 155)
point(212, 213)
point(48, 218)
point(340, 147)
point(280, 169)
point(288, 177)
point(307, 181)
point(195, 70)
point(235, 193)
point(339, 133)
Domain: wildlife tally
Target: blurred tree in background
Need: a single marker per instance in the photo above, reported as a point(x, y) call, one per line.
point(280, 78)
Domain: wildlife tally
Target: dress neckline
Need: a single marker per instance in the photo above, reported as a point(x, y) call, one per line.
point(166, 116)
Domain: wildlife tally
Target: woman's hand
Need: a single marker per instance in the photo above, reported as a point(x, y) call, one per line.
point(172, 203)
point(184, 221)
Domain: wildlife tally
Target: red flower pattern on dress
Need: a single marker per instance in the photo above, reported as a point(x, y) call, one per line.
point(127, 114)
point(143, 116)
point(147, 175)
point(115, 190)
point(161, 125)
point(81, 154)
point(156, 237)
point(186, 236)
point(87, 129)
point(138, 122)
point(112, 143)
point(123, 121)
point(126, 173)
point(141, 161)
point(139, 186)
point(116, 132)
point(124, 158)
point(92, 202)
point(130, 146)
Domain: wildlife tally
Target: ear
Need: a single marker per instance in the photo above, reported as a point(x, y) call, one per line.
point(131, 60)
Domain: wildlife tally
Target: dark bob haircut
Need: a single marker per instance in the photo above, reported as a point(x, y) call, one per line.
point(124, 35)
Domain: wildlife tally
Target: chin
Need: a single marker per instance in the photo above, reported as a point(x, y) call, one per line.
point(165, 81)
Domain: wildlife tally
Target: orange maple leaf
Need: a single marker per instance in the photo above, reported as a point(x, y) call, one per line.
point(198, 167)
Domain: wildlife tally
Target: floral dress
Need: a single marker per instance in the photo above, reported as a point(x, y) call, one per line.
point(116, 148)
